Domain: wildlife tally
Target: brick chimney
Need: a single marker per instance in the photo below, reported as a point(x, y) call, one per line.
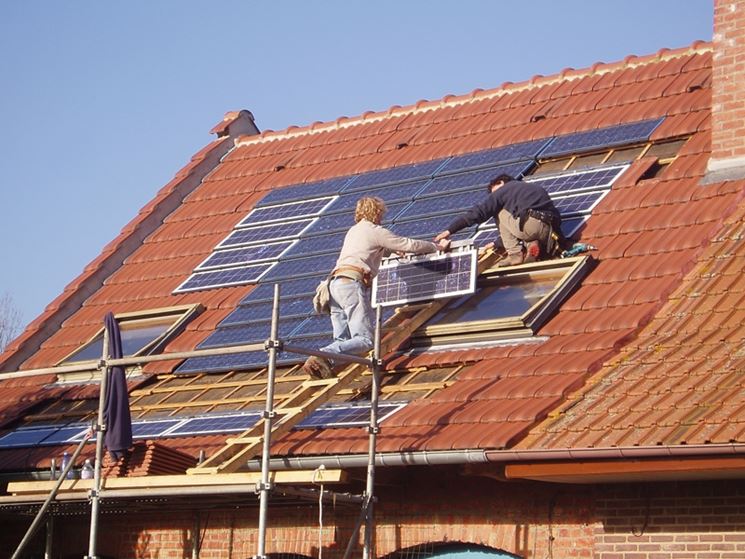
point(728, 93)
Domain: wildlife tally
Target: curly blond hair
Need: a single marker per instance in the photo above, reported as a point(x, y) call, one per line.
point(370, 208)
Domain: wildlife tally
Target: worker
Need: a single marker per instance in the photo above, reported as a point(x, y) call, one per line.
point(524, 214)
point(352, 318)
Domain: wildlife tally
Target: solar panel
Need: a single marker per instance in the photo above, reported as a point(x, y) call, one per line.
point(304, 191)
point(332, 222)
point(288, 307)
point(491, 157)
point(222, 363)
point(427, 228)
point(265, 233)
point(471, 180)
point(425, 277)
point(389, 194)
point(602, 138)
point(569, 227)
point(145, 429)
point(217, 424)
point(393, 175)
point(348, 415)
point(223, 277)
point(253, 332)
point(286, 211)
point(447, 204)
point(245, 255)
point(314, 325)
point(579, 180)
point(578, 203)
point(66, 434)
point(486, 236)
point(26, 436)
point(302, 267)
point(289, 288)
point(318, 244)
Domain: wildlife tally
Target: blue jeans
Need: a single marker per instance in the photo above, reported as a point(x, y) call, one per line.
point(351, 317)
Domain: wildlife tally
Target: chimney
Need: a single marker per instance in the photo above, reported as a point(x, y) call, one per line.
point(727, 160)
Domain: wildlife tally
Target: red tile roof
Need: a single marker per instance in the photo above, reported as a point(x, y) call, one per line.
point(650, 234)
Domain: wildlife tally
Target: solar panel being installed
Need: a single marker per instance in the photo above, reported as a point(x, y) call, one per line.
point(426, 277)
point(579, 180)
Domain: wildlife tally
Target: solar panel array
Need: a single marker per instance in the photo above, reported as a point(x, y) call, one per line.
point(295, 233)
point(329, 415)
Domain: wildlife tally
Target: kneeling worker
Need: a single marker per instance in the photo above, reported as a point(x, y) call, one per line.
point(352, 318)
point(524, 214)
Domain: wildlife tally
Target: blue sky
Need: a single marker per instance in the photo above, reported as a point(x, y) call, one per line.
point(102, 103)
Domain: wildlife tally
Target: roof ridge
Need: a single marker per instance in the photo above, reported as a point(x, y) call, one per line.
point(451, 100)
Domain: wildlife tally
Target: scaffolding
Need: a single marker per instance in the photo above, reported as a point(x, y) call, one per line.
point(256, 441)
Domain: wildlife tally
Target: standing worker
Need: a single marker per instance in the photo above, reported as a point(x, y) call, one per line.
point(365, 245)
point(524, 214)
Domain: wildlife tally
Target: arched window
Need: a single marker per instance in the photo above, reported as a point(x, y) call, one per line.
point(450, 550)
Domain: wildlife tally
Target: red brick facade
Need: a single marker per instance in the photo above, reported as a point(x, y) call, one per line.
point(728, 93)
point(685, 520)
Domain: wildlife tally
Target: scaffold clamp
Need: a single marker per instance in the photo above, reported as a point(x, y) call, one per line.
point(273, 344)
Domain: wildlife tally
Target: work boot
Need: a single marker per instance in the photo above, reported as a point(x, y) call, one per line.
point(533, 252)
point(511, 260)
point(318, 367)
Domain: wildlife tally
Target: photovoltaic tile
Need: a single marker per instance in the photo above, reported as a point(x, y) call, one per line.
point(223, 278)
point(425, 278)
point(245, 255)
point(601, 138)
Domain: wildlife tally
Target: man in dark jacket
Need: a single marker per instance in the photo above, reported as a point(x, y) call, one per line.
point(524, 213)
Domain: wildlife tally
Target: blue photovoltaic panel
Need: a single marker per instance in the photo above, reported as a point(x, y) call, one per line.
point(316, 245)
point(262, 310)
point(472, 180)
point(265, 233)
point(487, 236)
point(26, 437)
point(579, 180)
point(254, 332)
point(309, 342)
point(304, 191)
point(314, 325)
point(569, 227)
point(389, 194)
point(395, 174)
point(245, 255)
point(602, 138)
point(448, 204)
point(302, 267)
point(217, 424)
point(221, 278)
point(505, 154)
point(289, 288)
point(221, 363)
point(289, 210)
point(579, 203)
point(427, 228)
point(65, 434)
point(145, 429)
point(426, 277)
point(348, 415)
point(332, 222)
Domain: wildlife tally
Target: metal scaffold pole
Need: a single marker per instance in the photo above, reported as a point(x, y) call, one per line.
point(369, 549)
point(265, 486)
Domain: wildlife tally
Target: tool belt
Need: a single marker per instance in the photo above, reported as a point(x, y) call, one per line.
point(555, 241)
point(354, 273)
point(549, 218)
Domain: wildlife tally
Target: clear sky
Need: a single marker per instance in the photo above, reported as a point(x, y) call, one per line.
point(103, 102)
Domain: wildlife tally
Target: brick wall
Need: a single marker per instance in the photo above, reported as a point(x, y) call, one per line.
point(702, 520)
point(728, 88)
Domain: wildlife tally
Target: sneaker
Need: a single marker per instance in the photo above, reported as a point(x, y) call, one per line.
point(533, 252)
point(511, 260)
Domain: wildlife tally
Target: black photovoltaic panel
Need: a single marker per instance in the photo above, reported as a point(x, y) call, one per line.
point(579, 180)
point(245, 255)
point(427, 228)
point(289, 288)
point(254, 332)
point(404, 173)
point(217, 424)
point(287, 211)
point(492, 157)
point(348, 415)
point(316, 245)
point(314, 265)
point(265, 233)
point(223, 278)
point(304, 191)
point(601, 138)
point(389, 194)
point(451, 204)
point(578, 203)
point(262, 310)
point(426, 277)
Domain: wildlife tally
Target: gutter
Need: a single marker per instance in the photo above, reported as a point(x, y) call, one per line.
point(475, 456)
